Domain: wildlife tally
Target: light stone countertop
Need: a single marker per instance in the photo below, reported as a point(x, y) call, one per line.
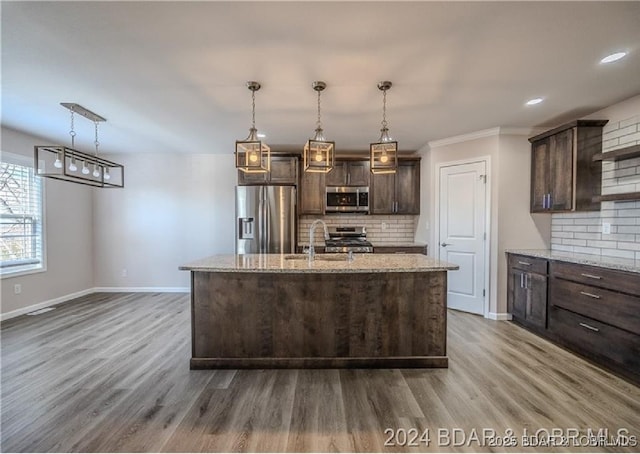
point(582, 259)
point(324, 263)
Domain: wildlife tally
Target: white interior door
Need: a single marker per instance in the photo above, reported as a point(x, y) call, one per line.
point(462, 232)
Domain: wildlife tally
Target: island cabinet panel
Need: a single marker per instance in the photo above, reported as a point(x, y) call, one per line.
point(318, 320)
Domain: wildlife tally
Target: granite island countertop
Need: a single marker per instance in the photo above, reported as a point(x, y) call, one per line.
point(613, 263)
point(324, 263)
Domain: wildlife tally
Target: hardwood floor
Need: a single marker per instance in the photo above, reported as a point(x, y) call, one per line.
point(110, 372)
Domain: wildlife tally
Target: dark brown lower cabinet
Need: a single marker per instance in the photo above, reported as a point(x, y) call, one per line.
point(527, 291)
point(590, 310)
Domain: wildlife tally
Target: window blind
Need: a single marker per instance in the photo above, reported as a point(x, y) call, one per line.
point(21, 244)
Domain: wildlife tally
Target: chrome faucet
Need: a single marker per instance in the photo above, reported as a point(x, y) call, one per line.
point(312, 231)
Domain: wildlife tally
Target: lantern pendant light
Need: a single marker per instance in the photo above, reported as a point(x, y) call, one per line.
point(384, 153)
point(319, 153)
point(253, 155)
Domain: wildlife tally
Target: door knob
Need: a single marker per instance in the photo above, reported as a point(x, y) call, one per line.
point(445, 244)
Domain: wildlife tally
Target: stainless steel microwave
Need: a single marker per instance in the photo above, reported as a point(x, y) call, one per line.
point(347, 199)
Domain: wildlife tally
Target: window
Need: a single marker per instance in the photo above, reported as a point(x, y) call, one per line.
point(21, 236)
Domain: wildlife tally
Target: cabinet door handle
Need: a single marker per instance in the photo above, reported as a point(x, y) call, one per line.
point(524, 263)
point(521, 280)
point(590, 276)
point(592, 328)
point(549, 200)
point(590, 295)
point(544, 201)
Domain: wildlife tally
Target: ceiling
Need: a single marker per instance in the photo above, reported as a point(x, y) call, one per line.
point(170, 76)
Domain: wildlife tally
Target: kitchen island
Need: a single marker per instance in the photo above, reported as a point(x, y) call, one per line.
point(277, 310)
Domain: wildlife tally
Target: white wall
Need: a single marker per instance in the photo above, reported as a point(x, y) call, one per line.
point(512, 226)
point(174, 208)
point(68, 238)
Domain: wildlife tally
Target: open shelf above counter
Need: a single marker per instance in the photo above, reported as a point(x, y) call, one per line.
point(618, 155)
point(625, 196)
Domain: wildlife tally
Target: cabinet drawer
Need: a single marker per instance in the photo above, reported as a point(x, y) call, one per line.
point(619, 281)
point(617, 309)
point(532, 264)
point(596, 340)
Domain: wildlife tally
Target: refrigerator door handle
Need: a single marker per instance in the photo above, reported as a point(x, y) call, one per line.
point(261, 245)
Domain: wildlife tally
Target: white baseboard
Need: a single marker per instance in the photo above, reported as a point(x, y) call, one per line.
point(70, 296)
point(42, 305)
point(142, 289)
point(499, 316)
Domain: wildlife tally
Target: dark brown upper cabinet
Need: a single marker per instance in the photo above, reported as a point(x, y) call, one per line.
point(284, 170)
point(397, 193)
point(564, 176)
point(348, 172)
point(311, 192)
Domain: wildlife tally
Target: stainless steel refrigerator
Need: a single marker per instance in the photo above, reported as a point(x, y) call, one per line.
point(265, 219)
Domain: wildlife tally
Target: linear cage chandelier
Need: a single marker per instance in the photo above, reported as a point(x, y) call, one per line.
point(68, 164)
point(384, 153)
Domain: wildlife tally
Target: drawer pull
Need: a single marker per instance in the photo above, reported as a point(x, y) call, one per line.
point(524, 263)
point(590, 295)
point(592, 328)
point(591, 276)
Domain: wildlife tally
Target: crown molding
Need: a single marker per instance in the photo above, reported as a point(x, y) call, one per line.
point(510, 131)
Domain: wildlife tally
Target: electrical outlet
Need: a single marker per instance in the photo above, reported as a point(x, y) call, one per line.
point(606, 228)
point(124, 272)
point(384, 226)
point(17, 289)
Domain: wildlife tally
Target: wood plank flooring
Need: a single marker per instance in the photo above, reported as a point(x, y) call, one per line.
point(110, 373)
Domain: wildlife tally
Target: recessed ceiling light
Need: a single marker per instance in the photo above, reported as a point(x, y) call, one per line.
point(534, 101)
point(261, 135)
point(613, 57)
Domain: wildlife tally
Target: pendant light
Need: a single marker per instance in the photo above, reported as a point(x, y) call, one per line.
point(318, 153)
point(252, 155)
point(384, 153)
point(68, 160)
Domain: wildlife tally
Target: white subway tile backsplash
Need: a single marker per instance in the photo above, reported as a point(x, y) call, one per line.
point(630, 139)
point(399, 229)
point(629, 121)
point(618, 253)
point(624, 217)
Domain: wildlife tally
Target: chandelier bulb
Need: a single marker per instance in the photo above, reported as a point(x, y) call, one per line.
point(318, 157)
point(384, 158)
point(106, 174)
point(253, 157)
point(58, 163)
point(85, 169)
point(72, 165)
point(96, 171)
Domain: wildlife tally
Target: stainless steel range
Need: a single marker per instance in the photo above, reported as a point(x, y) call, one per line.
point(348, 239)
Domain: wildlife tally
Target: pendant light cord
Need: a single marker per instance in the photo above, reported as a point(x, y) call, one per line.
point(96, 142)
point(384, 109)
point(319, 122)
point(253, 109)
point(72, 133)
